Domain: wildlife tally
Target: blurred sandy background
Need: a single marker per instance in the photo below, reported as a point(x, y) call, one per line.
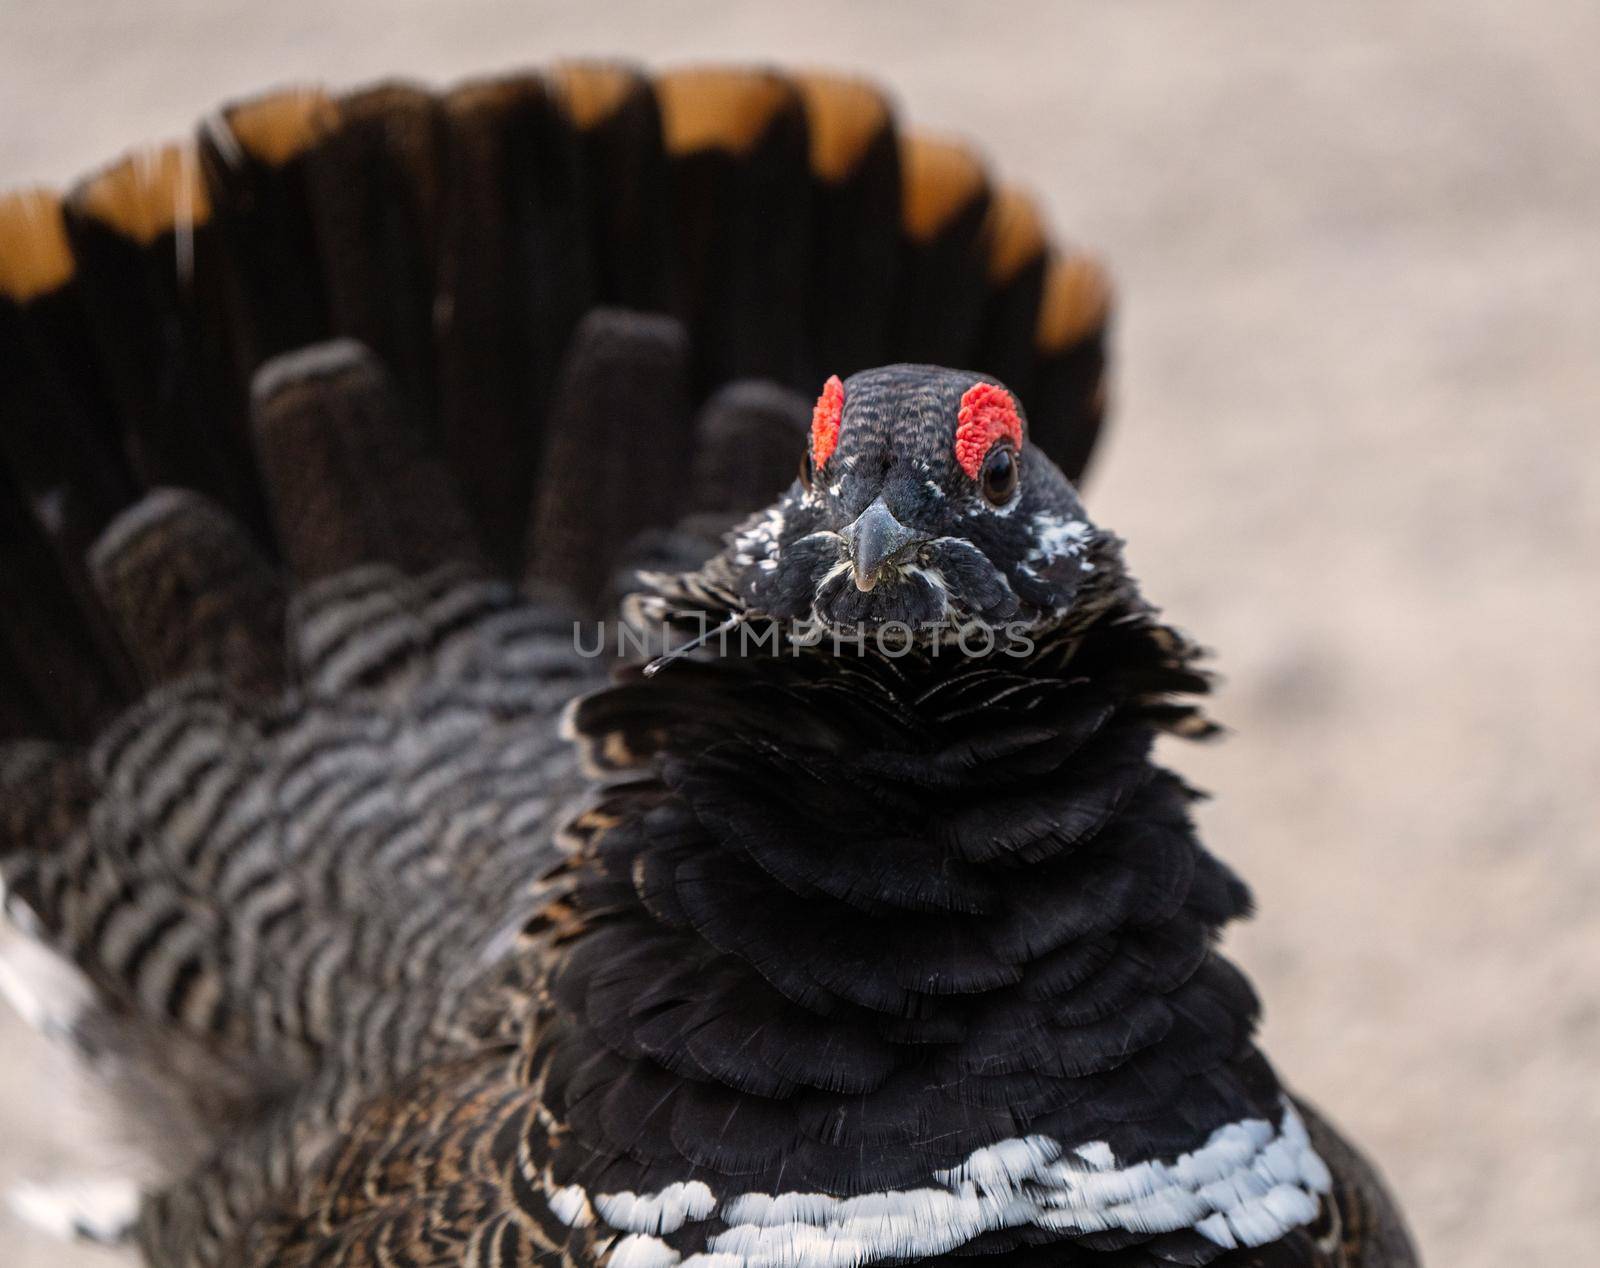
point(1357, 450)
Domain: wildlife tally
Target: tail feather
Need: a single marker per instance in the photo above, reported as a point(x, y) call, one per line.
point(745, 441)
point(348, 474)
point(944, 267)
point(618, 448)
point(35, 256)
point(21, 710)
point(514, 278)
point(59, 440)
point(1044, 329)
point(623, 156)
point(69, 679)
point(189, 592)
point(254, 157)
point(856, 224)
point(58, 432)
point(148, 261)
point(1017, 259)
point(376, 182)
point(1068, 406)
point(741, 191)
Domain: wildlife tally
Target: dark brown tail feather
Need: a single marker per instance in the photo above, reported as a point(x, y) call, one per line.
point(189, 592)
point(944, 266)
point(855, 227)
point(376, 185)
point(783, 222)
point(617, 455)
point(255, 156)
point(58, 434)
point(745, 444)
point(1016, 262)
point(741, 207)
point(1068, 405)
point(623, 155)
point(66, 685)
point(149, 269)
point(62, 476)
point(514, 279)
point(350, 477)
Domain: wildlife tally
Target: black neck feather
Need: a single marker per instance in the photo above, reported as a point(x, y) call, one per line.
point(841, 920)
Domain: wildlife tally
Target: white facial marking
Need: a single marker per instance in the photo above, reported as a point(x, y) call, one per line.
point(1248, 1185)
point(1056, 538)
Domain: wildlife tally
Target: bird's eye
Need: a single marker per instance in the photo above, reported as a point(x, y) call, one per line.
point(1000, 473)
point(806, 470)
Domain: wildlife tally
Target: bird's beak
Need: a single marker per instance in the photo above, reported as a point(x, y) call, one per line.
point(875, 539)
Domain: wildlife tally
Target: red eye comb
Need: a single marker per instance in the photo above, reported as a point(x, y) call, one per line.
point(987, 414)
point(825, 421)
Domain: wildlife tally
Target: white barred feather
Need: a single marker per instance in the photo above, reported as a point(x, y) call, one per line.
point(1247, 1185)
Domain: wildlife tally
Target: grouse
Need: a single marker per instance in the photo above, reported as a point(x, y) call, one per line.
point(468, 801)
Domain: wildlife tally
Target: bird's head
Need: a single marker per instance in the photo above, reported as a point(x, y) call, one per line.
point(920, 502)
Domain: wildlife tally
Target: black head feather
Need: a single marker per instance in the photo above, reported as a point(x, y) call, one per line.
point(892, 528)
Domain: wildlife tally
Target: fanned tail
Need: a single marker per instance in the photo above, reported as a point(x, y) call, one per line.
point(783, 223)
